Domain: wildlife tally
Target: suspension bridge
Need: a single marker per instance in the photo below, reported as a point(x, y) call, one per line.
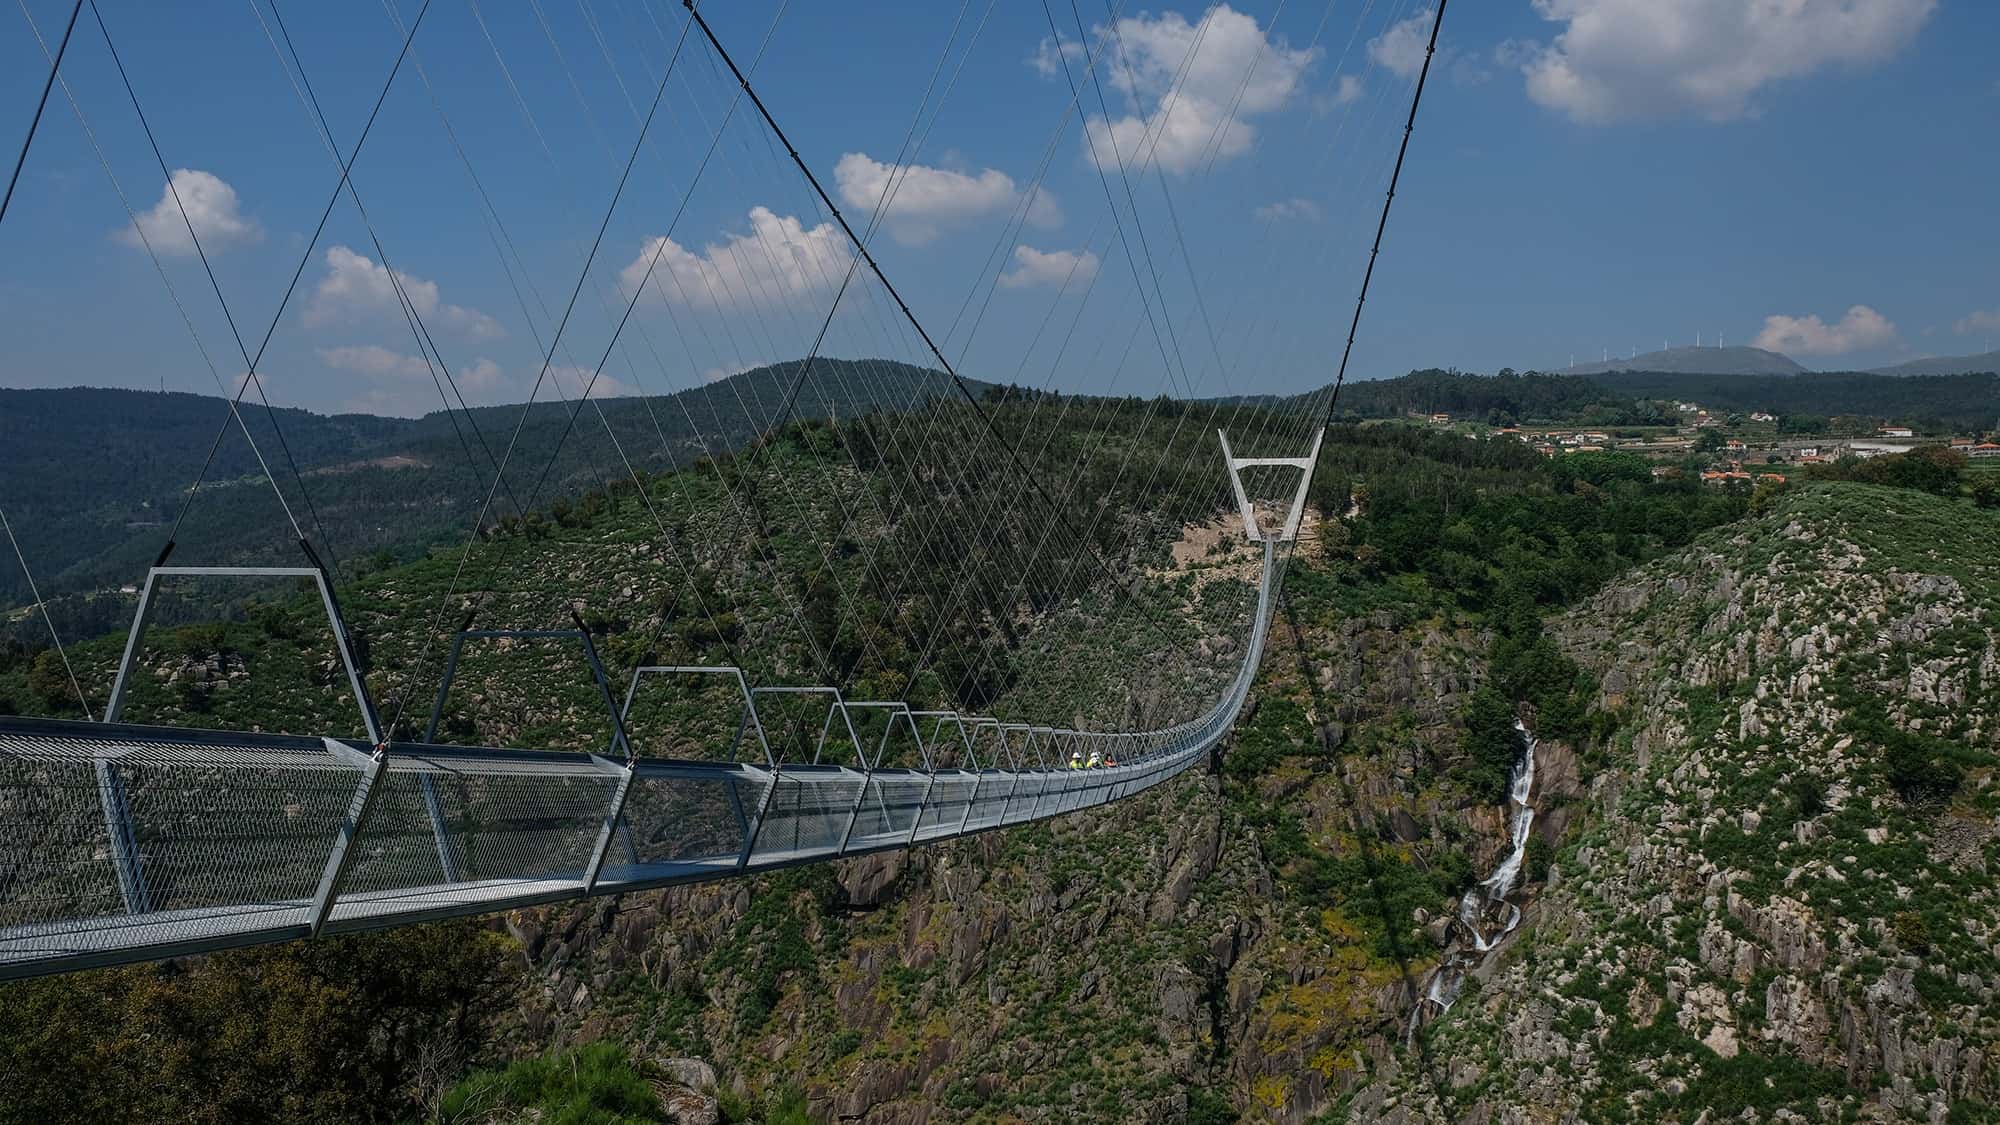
point(123, 842)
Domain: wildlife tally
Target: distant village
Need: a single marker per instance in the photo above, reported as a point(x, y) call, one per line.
point(1735, 448)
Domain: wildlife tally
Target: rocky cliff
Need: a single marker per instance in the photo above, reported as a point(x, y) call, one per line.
point(1767, 898)
point(1778, 906)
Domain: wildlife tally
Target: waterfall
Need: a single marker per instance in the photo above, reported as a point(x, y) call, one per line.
point(1478, 907)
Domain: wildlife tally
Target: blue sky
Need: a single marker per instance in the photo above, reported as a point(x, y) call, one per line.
point(1587, 175)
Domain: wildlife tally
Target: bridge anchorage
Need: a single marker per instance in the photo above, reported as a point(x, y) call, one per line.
point(125, 842)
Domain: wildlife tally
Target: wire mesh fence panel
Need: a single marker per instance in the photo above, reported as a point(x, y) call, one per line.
point(889, 808)
point(525, 827)
point(447, 830)
point(1028, 790)
point(807, 815)
point(950, 799)
point(56, 865)
point(686, 818)
point(989, 804)
point(229, 829)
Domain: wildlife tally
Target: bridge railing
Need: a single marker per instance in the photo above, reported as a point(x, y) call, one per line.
point(122, 842)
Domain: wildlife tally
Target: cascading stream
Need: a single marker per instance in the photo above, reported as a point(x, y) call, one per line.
point(1485, 912)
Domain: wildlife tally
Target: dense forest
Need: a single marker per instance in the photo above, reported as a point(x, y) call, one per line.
point(94, 479)
point(1934, 404)
point(1483, 532)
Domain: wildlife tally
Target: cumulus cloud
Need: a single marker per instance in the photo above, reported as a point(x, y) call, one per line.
point(1034, 267)
point(1051, 53)
point(572, 381)
point(1294, 208)
point(379, 362)
point(483, 375)
point(373, 359)
point(1191, 105)
point(1979, 320)
point(1620, 59)
point(1860, 329)
point(357, 288)
point(779, 257)
point(924, 201)
point(212, 209)
point(1400, 50)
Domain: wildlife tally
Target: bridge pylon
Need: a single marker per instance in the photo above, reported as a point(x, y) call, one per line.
point(1289, 531)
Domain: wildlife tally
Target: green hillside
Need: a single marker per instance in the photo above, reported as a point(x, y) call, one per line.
point(93, 478)
point(1239, 942)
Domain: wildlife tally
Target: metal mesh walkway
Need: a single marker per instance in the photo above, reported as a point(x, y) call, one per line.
point(123, 843)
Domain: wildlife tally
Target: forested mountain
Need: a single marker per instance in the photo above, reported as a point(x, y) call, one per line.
point(1945, 365)
point(1937, 403)
point(1753, 884)
point(93, 478)
point(1525, 396)
point(1697, 361)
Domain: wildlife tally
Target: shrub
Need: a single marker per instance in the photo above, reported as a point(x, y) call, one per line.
point(592, 1085)
point(1912, 932)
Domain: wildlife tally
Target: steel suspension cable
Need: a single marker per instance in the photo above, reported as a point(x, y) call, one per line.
point(1388, 200)
point(1013, 453)
point(252, 362)
point(548, 359)
point(710, 455)
point(41, 103)
point(47, 620)
point(426, 345)
point(153, 256)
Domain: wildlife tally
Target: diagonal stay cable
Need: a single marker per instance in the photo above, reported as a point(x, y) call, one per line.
point(1014, 454)
point(35, 122)
point(250, 375)
point(434, 361)
point(569, 424)
point(1382, 224)
point(46, 619)
point(153, 255)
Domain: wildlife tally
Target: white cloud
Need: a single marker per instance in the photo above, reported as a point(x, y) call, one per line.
point(1050, 54)
point(1979, 320)
point(1860, 329)
point(357, 288)
point(1049, 267)
point(483, 375)
point(573, 380)
point(212, 209)
point(1191, 103)
point(1345, 92)
point(1295, 208)
point(1400, 50)
point(374, 359)
point(379, 362)
point(1620, 59)
point(397, 389)
point(924, 200)
point(779, 257)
